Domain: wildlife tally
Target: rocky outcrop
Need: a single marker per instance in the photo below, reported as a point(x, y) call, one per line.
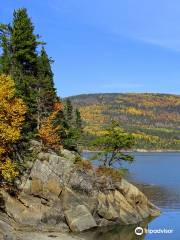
point(59, 195)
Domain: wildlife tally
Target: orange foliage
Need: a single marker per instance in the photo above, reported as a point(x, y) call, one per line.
point(48, 132)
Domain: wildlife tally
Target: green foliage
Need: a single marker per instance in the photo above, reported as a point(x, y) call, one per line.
point(78, 120)
point(46, 92)
point(70, 131)
point(112, 143)
point(68, 110)
point(24, 42)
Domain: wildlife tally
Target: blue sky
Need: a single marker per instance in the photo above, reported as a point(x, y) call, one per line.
point(108, 45)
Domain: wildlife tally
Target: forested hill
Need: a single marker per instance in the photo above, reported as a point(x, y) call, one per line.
point(154, 119)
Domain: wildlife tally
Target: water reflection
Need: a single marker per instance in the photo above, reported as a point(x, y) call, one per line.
point(115, 232)
point(163, 197)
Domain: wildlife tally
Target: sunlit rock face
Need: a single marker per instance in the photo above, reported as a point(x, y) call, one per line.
point(56, 195)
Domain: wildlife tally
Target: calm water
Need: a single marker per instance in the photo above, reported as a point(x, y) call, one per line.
point(158, 176)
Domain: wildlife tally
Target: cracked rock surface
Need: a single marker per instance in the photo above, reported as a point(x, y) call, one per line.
point(58, 197)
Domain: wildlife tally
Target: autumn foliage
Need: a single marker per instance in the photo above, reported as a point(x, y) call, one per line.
point(12, 111)
point(48, 132)
point(153, 119)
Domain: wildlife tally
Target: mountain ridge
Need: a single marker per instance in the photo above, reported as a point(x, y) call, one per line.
point(153, 118)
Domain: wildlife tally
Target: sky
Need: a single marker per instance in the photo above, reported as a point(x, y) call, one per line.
point(104, 46)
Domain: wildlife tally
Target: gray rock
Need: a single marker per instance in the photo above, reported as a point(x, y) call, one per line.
point(77, 215)
point(56, 195)
point(79, 218)
point(68, 154)
point(6, 230)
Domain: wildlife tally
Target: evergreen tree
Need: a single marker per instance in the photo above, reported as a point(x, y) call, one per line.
point(46, 94)
point(78, 120)
point(24, 64)
point(68, 110)
point(24, 42)
point(71, 126)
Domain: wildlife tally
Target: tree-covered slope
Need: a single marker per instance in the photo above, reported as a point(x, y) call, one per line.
point(154, 119)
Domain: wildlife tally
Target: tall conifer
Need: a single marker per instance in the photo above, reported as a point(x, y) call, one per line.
point(24, 42)
point(46, 96)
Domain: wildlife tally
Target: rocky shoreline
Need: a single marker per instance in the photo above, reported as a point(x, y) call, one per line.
point(57, 195)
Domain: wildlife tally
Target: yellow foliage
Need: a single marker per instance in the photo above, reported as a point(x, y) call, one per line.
point(134, 111)
point(146, 137)
point(48, 132)
point(12, 111)
point(8, 170)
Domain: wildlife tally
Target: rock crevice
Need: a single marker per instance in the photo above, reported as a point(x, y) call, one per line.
point(58, 196)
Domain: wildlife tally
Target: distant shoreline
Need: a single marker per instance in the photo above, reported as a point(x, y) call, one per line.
point(141, 151)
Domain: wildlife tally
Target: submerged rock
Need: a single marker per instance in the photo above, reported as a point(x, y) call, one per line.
point(58, 196)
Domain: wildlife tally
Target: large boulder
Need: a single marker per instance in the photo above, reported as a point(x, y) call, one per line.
point(76, 213)
point(59, 195)
point(79, 218)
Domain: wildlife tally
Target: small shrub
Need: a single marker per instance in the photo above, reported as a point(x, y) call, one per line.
point(109, 172)
point(78, 159)
point(84, 165)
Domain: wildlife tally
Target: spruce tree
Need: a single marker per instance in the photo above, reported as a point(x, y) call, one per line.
point(71, 126)
point(46, 92)
point(68, 110)
point(24, 42)
point(24, 59)
point(78, 120)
